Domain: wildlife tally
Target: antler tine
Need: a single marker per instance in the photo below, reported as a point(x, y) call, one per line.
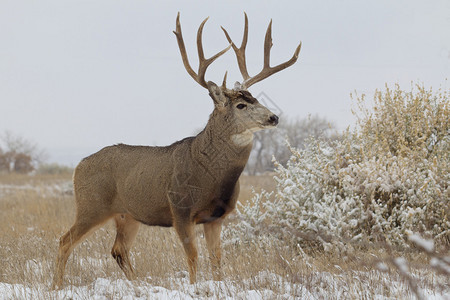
point(184, 57)
point(240, 52)
point(224, 82)
point(268, 45)
point(203, 63)
point(201, 55)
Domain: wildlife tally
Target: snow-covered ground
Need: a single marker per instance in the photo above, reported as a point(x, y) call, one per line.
point(328, 286)
point(122, 289)
point(45, 190)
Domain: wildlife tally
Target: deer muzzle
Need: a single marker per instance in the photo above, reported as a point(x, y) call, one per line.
point(273, 120)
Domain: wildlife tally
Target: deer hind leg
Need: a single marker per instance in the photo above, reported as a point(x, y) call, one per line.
point(83, 225)
point(186, 233)
point(127, 229)
point(212, 235)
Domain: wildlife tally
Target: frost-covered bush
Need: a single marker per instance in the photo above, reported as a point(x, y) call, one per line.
point(388, 176)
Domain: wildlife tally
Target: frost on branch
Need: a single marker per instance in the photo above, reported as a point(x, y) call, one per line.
point(387, 177)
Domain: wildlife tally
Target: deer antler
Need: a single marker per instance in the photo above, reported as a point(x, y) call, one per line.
point(267, 69)
point(203, 63)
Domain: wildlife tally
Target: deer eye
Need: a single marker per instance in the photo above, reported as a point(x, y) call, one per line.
point(241, 106)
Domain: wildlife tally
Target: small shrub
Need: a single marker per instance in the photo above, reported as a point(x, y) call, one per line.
point(23, 163)
point(387, 177)
point(19, 155)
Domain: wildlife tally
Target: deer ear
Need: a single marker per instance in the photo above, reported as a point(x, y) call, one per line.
point(217, 94)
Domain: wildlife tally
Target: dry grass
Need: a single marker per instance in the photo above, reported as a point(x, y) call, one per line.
point(35, 213)
point(255, 183)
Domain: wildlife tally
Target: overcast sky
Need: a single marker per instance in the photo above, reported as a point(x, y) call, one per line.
point(76, 76)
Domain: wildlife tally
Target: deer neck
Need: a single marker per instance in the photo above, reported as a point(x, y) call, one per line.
point(221, 145)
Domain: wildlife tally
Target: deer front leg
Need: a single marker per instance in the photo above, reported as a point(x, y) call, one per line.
point(186, 233)
point(212, 236)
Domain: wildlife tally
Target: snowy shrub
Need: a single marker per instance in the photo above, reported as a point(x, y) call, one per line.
point(388, 176)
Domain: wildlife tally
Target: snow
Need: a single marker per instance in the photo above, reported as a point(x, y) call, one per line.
point(427, 245)
point(401, 264)
point(104, 288)
point(326, 286)
point(58, 188)
point(441, 265)
point(382, 267)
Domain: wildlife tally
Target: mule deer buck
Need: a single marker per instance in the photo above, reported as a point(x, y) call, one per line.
point(193, 181)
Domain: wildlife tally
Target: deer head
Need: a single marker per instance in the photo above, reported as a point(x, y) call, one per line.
point(237, 103)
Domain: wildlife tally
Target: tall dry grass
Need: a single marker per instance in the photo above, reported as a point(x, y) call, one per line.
point(35, 211)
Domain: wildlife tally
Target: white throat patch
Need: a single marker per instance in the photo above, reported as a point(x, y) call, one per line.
point(242, 139)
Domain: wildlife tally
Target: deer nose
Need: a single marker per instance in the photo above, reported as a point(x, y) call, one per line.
point(273, 119)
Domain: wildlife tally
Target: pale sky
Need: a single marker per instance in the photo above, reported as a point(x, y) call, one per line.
point(76, 76)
